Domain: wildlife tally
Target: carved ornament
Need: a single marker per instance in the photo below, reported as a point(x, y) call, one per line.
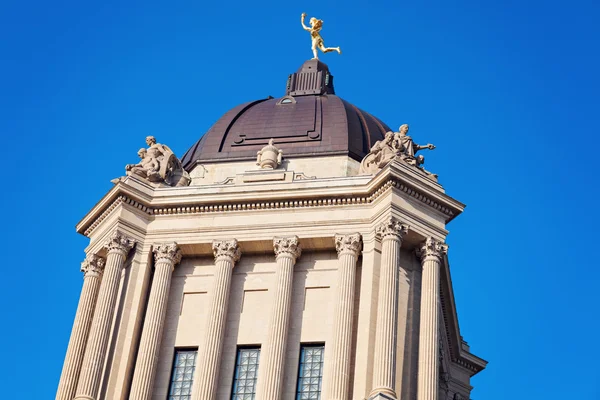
point(432, 249)
point(118, 242)
point(167, 252)
point(348, 244)
point(93, 265)
point(228, 249)
point(158, 164)
point(288, 246)
point(391, 228)
point(269, 157)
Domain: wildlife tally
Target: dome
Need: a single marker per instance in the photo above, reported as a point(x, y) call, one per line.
point(310, 120)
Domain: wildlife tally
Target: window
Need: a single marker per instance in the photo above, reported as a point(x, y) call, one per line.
point(310, 373)
point(183, 375)
point(246, 373)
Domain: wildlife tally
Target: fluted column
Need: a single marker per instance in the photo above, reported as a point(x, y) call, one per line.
point(431, 253)
point(118, 246)
point(166, 257)
point(272, 362)
point(227, 253)
point(92, 268)
point(336, 377)
point(391, 233)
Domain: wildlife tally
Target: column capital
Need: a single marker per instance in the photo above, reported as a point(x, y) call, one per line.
point(93, 265)
point(227, 249)
point(391, 228)
point(348, 244)
point(288, 246)
point(431, 248)
point(167, 252)
point(119, 242)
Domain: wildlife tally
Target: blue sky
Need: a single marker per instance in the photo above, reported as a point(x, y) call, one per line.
point(508, 91)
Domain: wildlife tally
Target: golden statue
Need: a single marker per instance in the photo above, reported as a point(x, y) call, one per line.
point(317, 41)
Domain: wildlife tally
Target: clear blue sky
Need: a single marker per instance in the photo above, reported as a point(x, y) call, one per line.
point(507, 90)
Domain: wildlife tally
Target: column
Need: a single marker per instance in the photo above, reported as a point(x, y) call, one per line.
point(431, 253)
point(92, 268)
point(227, 253)
point(272, 362)
point(166, 256)
point(118, 246)
point(391, 233)
point(336, 377)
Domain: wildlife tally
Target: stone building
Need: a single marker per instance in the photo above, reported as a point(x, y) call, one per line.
point(296, 251)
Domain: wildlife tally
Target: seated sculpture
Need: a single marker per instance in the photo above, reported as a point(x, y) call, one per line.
point(158, 164)
point(395, 145)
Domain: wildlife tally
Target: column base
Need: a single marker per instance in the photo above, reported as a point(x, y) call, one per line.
point(381, 396)
point(84, 397)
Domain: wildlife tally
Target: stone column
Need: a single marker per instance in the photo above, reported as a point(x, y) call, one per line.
point(166, 256)
point(336, 377)
point(272, 362)
point(92, 268)
point(391, 233)
point(118, 246)
point(227, 253)
point(431, 253)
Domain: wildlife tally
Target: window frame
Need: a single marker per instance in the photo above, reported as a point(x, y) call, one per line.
point(173, 367)
point(299, 378)
point(238, 349)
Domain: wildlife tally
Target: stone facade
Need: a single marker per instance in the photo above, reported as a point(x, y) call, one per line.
point(272, 257)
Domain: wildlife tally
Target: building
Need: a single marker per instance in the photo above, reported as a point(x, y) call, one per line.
point(296, 251)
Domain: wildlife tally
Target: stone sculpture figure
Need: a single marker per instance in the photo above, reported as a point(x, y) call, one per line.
point(159, 164)
point(269, 157)
point(317, 41)
point(395, 144)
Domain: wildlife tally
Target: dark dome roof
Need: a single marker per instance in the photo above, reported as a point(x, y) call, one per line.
point(310, 120)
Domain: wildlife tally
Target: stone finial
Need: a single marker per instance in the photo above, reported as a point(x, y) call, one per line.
point(348, 244)
point(391, 228)
point(395, 145)
point(158, 164)
point(287, 246)
point(269, 157)
point(119, 242)
point(93, 265)
point(432, 248)
point(227, 249)
point(167, 252)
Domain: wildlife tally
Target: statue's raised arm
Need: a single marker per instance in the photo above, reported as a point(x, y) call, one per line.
point(302, 17)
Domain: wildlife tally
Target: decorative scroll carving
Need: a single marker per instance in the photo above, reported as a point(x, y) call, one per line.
point(395, 145)
point(269, 157)
point(159, 164)
point(93, 265)
point(391, 228)
point(118, 242)
point(227, 249)
point(167, 252)
point(432, 248)
point(287, 246)
point(351, 243)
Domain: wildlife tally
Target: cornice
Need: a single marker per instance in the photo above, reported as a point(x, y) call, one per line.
point(344, 191)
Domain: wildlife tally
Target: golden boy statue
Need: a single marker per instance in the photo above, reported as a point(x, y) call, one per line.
point(317, 41)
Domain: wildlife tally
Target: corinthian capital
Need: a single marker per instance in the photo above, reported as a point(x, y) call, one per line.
point(93, 265)
point(391, 228)
point(167, 252)
point(432, 248)
point(348, 244)
point(120, 243)
point(287, 246)
point(226, 249)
